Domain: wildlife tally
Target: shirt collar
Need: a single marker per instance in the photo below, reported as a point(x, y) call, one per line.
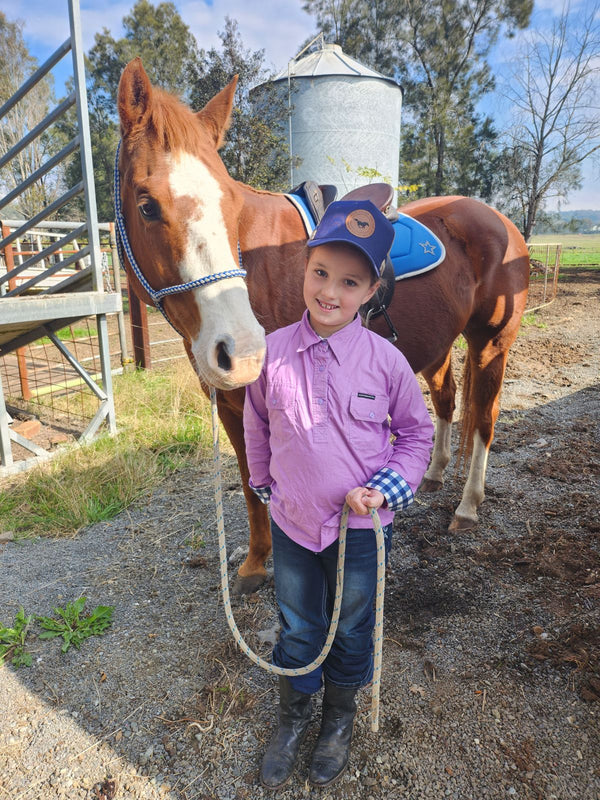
point(342, 343)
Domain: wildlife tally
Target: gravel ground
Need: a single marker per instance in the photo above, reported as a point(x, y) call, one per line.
point(491, 674)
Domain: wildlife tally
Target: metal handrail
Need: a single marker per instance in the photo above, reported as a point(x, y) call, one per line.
point(19, 308)
point(39, 128)
point(41, 171)
point(42, 254)
point(27, 226)
point(37, 76)
point(22, 288)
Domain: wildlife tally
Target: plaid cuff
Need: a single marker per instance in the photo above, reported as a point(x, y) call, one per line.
point(262, 492)
point(393, 487)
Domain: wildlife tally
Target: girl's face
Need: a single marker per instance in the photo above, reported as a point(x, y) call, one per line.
point(337, 282)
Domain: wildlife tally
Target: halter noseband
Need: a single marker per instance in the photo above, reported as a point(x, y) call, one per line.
point(157, 296)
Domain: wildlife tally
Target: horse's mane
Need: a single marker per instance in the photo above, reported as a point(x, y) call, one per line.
point(175, 125)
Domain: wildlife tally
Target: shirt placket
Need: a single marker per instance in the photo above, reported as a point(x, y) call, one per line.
point(320, 395)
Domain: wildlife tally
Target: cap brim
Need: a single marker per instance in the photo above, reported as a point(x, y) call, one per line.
point(335, 240)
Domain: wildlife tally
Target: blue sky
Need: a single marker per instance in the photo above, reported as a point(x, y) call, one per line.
point(277, 26)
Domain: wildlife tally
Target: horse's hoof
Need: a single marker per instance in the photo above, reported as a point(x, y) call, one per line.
point(429, 485)
point(461, 524)
point(247, 584)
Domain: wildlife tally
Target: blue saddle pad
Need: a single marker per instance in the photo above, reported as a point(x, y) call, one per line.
point(304, 211)
point(416, 249)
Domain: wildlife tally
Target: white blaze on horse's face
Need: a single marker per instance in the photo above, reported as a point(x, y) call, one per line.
point(229, 348)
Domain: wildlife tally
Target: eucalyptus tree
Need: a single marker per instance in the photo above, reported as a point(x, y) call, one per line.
point(553, 94)
point(256, 150)
point(437, 50)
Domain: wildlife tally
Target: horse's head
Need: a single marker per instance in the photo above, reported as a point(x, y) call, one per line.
point(181, 212)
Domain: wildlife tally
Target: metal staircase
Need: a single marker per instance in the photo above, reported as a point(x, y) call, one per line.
point(42, 304)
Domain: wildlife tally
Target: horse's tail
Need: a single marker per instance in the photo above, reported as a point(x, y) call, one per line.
point(467, 419)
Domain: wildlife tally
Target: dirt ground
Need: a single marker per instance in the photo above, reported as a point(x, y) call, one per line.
point(491, 676)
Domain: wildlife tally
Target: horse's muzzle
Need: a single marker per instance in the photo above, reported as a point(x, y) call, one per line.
point(237, 370)
point(228, 366)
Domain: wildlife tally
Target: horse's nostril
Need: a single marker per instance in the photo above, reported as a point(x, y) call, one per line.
point(223, 356)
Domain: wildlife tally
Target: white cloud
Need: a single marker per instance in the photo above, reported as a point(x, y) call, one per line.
point(278, 27)
point(47, 27)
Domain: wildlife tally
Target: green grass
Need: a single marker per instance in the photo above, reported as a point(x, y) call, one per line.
point(578, 249)
point(164, 422)
point(12, 640)
point(532, 320)
point(70, 333)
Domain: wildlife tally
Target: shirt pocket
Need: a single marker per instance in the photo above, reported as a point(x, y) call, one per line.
point(367, 416)
point(281, 405)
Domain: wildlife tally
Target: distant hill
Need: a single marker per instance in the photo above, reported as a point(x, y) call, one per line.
point(585, 220)
point(586, 213)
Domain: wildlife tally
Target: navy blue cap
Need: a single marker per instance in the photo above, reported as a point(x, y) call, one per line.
point(359, 223)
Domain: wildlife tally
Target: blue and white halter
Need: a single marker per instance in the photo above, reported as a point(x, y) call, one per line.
point(158, 296)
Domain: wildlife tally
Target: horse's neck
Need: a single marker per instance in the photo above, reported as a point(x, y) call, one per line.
point(272, 238)
point(267, 220)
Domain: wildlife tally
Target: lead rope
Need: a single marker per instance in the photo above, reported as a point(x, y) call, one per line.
point(380, 589)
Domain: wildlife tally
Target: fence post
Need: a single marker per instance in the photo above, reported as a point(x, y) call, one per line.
point(6, 457)
point(556, 267)
point(138, 319)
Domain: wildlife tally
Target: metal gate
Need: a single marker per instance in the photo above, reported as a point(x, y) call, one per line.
point(41, 305)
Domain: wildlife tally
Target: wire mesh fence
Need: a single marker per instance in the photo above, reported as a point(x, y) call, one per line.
point(41, 383)
point(543, 278)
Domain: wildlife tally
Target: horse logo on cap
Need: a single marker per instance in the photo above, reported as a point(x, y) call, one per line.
point(360, 223)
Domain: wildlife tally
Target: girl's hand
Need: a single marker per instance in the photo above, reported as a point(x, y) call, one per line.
point(362, 499)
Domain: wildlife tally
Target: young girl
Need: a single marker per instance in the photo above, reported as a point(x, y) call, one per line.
point(318, 425)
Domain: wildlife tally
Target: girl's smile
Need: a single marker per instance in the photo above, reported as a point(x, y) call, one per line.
point(326, 306)
point(337, 281)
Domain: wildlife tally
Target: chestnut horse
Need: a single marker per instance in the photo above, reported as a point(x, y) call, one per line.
point(186, 219)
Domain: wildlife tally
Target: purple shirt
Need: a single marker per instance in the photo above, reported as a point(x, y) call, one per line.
point(316, 425)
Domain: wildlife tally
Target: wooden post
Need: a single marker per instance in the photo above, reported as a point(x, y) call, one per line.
point(557, 267)
point(138, 319)
point(20, 352)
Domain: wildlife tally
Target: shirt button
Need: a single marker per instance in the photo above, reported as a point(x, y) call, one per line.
point(320, 401)
point(371, 415)
point(321, 369)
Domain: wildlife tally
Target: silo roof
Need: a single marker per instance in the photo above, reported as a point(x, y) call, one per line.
point(331, 60)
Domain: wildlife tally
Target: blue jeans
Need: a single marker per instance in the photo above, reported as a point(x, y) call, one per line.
point(305, 590)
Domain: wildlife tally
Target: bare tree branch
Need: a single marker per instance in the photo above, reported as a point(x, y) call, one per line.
point(554, 91)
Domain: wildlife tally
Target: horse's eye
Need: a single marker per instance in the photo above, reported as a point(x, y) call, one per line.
point(149, 209)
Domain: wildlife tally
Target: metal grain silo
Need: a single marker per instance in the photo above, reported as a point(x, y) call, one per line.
point(344, 118)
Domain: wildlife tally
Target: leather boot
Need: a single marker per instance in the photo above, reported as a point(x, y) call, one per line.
point(332, 750)
point(295, 709)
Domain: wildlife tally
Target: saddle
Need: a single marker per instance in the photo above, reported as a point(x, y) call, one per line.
point(312, 199)
point(380, 194)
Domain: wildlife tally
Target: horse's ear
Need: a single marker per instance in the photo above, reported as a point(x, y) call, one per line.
point(135, 91)
point(216, 114)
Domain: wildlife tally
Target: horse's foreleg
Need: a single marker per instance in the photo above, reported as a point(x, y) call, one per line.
point(442, 386)
point(252, 572)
